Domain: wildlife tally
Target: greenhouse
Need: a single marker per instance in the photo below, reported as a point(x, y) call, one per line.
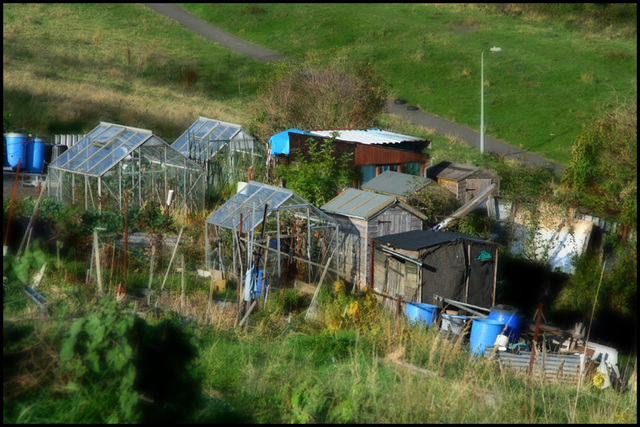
point(113, 165)
point(298, 239)
point(224, 150)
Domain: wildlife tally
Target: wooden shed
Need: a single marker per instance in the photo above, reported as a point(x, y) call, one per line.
point(417, 265)
point(464, 181)
point(374, 151)
point(363, 215)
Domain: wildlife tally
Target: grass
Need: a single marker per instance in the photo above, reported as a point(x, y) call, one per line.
point(282, 368)
point(67, 66)
point(548, 80)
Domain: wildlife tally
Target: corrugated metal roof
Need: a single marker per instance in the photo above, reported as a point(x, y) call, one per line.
point(420, 239)
point(396, 183)
point(367, 136)
point(364, 204)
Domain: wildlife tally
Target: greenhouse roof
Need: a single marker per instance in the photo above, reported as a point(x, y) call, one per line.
point(250, 203)
point(107, 145)
point(205, 137)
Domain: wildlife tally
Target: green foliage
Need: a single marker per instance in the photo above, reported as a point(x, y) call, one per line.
point(603, 172)
point(19, 269)
point(618, 291)
point(524, 185)
point(119, 357)
point(476, 225)
point(97, 349)
point(308, 95)
point(318, 175)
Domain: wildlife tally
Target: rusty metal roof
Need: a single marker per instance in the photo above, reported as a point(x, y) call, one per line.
point(365, 204)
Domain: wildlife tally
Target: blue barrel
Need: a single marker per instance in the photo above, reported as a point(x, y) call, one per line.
point(421, 312)
point(483, 334)
point(16, 149)
point(510, 317)
point(453, 323)
point(35, 155)
point(259, 282)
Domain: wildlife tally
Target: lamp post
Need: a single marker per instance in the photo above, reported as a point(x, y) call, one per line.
point(493, 50)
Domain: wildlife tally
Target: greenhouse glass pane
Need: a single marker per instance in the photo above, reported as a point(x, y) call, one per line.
point(228, 133)
point(118, 154)
point(108, 134)
point(105, 151)
point(215, 135)
point(204, 129)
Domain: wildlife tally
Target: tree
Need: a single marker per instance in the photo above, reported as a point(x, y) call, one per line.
point(318, 175)
point(306, 96)
point(603, 172)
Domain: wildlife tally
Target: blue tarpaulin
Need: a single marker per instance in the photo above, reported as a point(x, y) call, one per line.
point(280, 141)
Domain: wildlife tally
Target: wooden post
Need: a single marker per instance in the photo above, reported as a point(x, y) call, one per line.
point(399, 306)
point(182, 286)
point(372, 260)
point(466, 292)
point(28, 230)
point(535, 338)
point(15, 184)
point(153, 253)
point(96, 251)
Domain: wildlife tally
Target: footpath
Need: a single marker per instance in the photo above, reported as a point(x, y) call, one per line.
point(415, 116)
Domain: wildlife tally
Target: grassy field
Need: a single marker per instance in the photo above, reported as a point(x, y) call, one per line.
point(66, 66)
point(545, 84)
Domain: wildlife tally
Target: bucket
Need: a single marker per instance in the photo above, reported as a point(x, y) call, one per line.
point(16, 148)
point(35, 155)
point(453, 324)
point(483, 334)
point(501, 342)
point(417, 311)
point(510, 317)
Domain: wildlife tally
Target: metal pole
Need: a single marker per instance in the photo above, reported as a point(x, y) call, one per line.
point(482, 103)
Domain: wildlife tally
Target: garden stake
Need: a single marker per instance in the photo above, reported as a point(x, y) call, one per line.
point(153, 253)
point(595, 300)
point(169, 267)
point(15, 184)
point(27, 233)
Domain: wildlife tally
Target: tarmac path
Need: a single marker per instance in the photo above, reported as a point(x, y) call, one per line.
point(415, 116)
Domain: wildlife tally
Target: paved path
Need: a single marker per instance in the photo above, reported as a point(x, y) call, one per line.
point(417, 117)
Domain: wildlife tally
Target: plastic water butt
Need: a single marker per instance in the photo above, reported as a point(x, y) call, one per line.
point(35, 155)
point(510, 316)
point(453, 323)
point(421, 312)
point(16, 149)
point(483, 334)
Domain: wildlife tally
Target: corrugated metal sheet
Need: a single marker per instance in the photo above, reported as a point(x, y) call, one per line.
point(364, 204)
point(367, 136)
point(550, 366)
point(396, 183)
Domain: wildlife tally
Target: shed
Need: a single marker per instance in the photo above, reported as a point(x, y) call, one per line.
point(111, 159)
point(363, 215)
point(417, 265)
point(374, 151)
point(464, 181)
point(297, 238)
point(225, 150)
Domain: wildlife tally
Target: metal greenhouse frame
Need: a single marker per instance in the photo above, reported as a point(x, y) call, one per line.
point(223, 149)
point(113, 159)
point(299, 240)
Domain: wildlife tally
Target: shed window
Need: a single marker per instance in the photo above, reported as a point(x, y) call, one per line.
point(368, 173)
point(411, 168)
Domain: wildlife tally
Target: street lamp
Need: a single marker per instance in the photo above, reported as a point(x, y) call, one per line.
point(493, 50)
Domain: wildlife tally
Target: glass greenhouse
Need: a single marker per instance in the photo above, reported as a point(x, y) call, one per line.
point(298, 238)
point(223, 149)
point(113, 159)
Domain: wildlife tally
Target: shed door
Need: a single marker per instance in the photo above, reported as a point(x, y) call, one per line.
point(395, 276)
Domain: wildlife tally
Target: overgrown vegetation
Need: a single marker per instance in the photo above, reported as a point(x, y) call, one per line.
point(318, 175)
point(308, 95)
